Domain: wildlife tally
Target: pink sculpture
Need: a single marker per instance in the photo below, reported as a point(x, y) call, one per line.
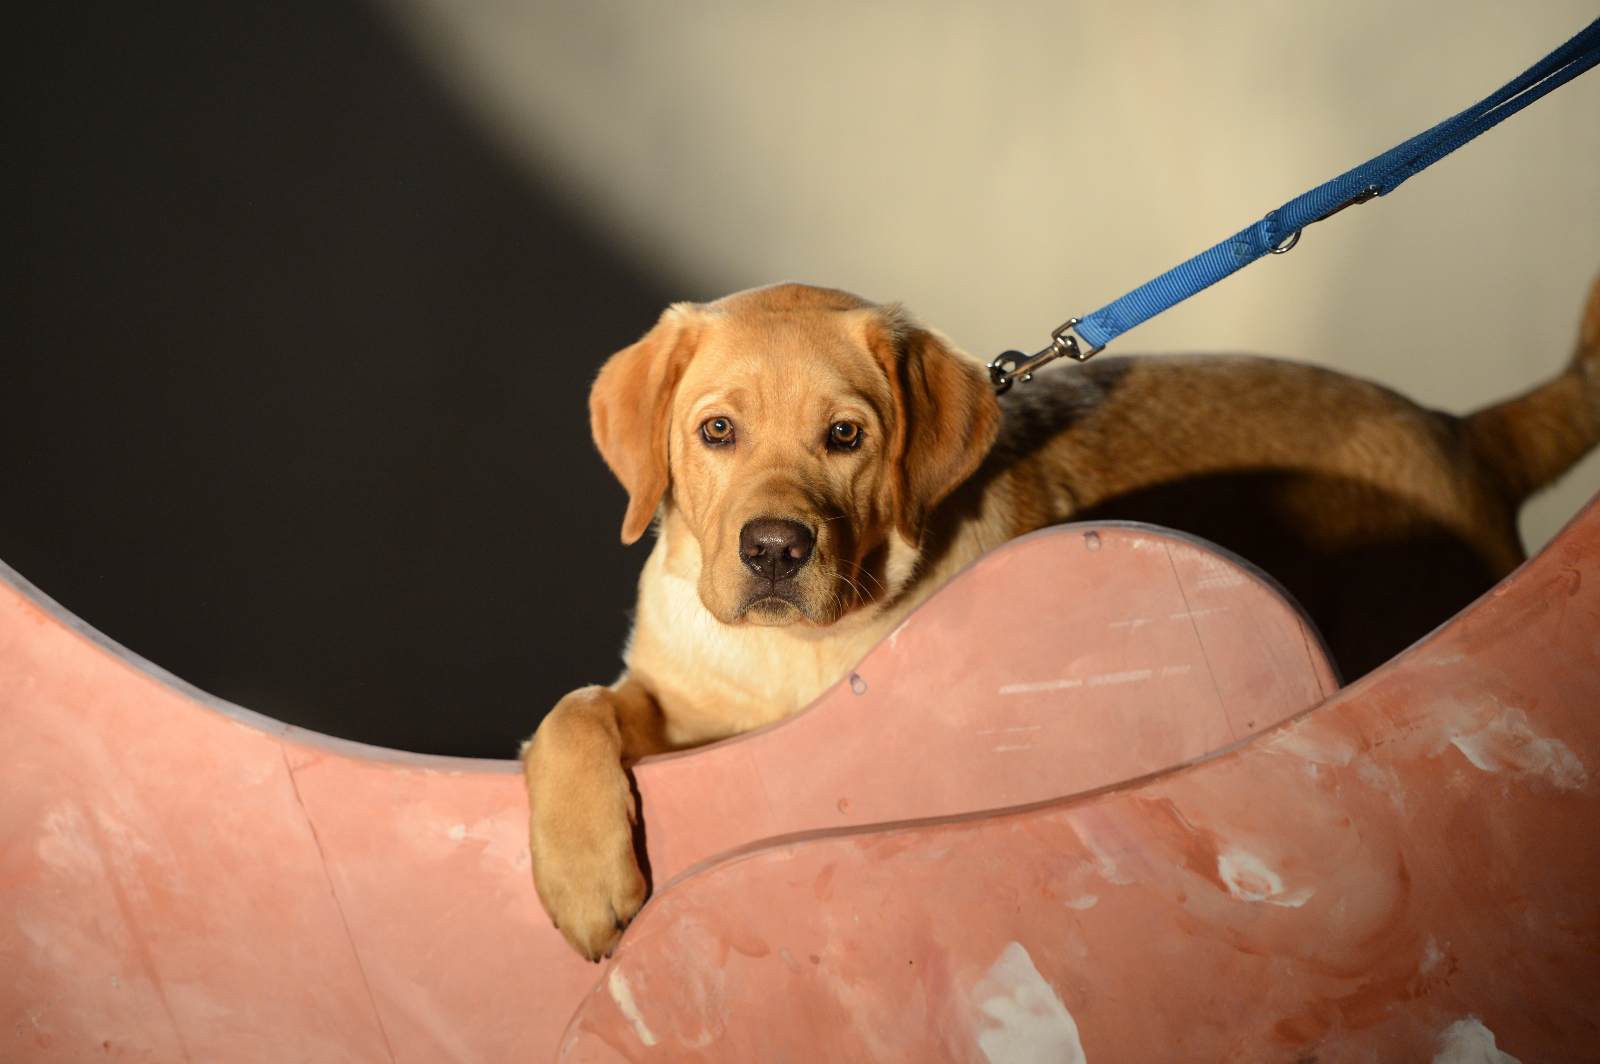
point(1404, 871)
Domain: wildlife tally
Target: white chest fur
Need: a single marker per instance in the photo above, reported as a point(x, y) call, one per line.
point(713, 679)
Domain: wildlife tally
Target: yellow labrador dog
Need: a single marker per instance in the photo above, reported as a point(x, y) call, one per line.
point(816, 465)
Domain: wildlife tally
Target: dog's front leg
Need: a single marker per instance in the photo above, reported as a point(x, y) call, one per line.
point(582, 810)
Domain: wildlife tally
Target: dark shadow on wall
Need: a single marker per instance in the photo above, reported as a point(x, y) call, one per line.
point(1370, 598)
point(295, 367)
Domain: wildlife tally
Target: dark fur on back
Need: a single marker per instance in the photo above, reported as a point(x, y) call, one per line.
point(1032, 414)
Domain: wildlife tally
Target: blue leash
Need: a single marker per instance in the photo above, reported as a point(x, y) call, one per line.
point(1279, 230)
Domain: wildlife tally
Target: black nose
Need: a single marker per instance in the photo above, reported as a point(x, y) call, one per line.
point(775, 548)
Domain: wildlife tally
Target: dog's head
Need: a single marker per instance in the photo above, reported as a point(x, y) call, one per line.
point(802, 435)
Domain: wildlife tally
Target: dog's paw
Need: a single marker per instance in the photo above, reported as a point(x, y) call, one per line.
point(584, 867)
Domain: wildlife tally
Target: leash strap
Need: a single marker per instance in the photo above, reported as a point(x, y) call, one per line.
point(1280, 229)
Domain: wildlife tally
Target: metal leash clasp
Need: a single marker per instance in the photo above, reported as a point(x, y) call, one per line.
point(1012, 366)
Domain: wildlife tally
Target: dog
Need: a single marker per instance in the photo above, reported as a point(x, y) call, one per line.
point(816, 465)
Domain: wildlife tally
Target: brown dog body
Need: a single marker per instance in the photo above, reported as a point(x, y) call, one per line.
point(817, 465)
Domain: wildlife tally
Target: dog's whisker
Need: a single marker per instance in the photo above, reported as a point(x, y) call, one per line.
point(867, 573)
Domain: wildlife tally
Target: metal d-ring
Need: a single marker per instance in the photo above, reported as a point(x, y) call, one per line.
point(1287, 245)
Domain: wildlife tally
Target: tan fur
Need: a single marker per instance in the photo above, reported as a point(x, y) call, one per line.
point(937, 479)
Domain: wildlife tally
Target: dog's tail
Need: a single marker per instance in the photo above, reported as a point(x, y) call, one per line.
point(1534, 438)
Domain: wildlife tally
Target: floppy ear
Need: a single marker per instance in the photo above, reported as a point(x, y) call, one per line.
point(947, 417)
point(629, 409)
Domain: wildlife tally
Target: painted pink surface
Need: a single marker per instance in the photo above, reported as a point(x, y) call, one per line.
point(1068, 660)
point(180, 884)
point(1408, 872)
point(187, 880)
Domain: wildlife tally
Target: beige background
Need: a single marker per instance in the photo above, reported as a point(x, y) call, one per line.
point(1001, 166)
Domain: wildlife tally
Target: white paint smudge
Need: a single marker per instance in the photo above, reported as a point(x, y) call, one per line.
point(1131, 676)
point(1214, 573)
point(1320, 750)
point(1031, 1025)
point(66, 844)
point(1507, 744)
point(1088, 901)
point(1431, 955)
point(1192, 614)
point(1099, 680)
point(622, 994)
point(1105, 864)
point(1383, 777)
point(500, 840)
point(1042, 685)
point(1468, 1041)
point(1249, 879)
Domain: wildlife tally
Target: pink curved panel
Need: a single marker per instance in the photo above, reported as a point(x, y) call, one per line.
point(183, 880)
point(188, 880)
point(1407, 872)
point(1073, 658)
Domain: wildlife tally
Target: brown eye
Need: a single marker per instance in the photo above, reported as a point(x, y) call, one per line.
point(844, 435)
point(717, 431)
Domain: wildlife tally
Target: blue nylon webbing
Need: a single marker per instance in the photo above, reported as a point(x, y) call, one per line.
point(1383, 175)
